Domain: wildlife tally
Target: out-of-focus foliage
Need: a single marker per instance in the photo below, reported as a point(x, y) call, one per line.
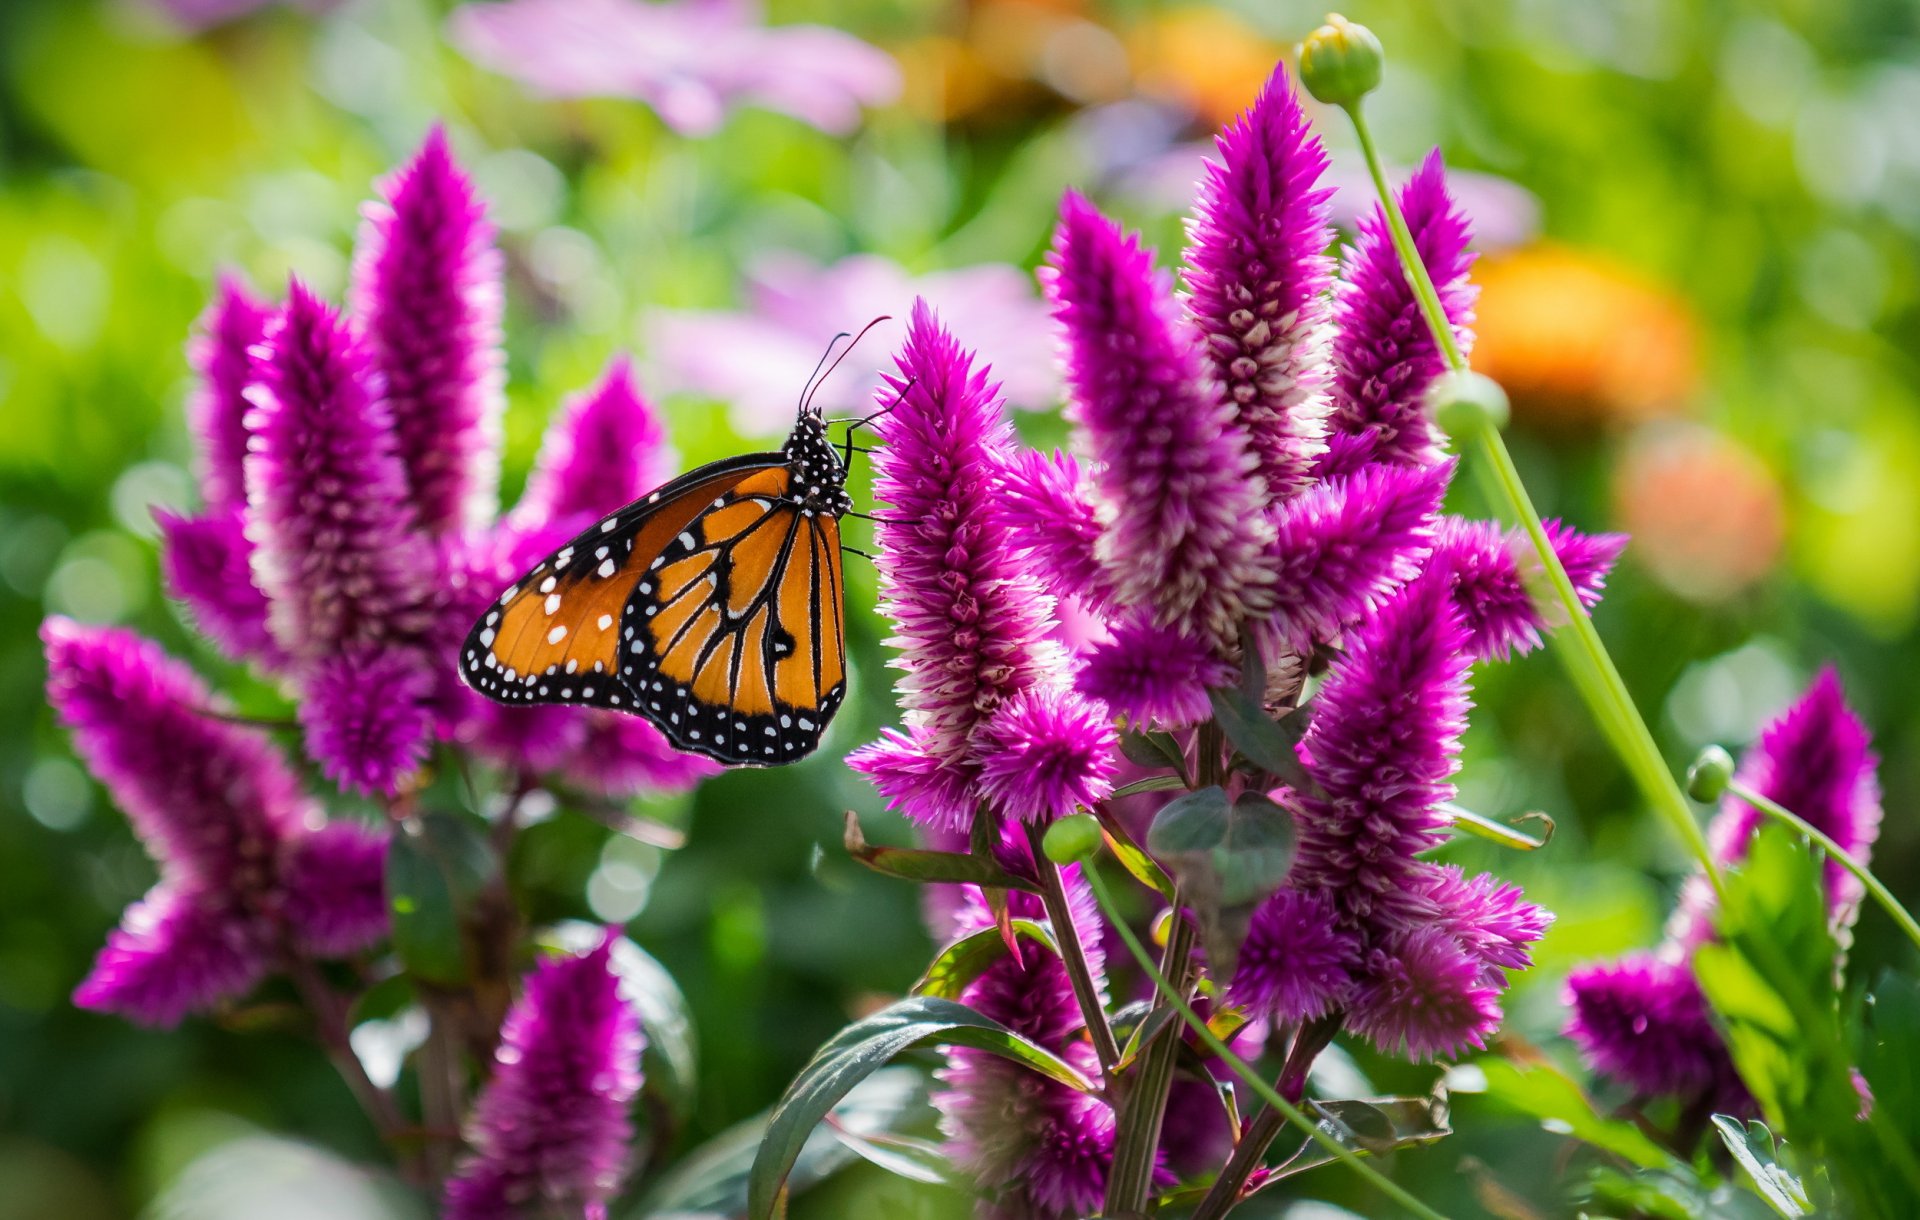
point(1709, 333)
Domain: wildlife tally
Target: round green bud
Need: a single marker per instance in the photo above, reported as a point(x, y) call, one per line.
point(1708, 777)
point(1072, 839)
point(1464, 402)
point(1340, 62)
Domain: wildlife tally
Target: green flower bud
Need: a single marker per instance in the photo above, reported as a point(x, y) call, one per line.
point(1340, 62)
point(1072, 839)
point(1465, 402)
point(1710, 774)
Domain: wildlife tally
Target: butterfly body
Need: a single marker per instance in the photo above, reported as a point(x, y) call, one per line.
point(713, 607)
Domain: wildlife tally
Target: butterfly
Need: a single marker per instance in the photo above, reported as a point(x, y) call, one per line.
point(714, 607)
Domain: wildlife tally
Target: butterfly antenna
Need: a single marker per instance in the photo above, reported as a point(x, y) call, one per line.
point(806, 402)
point(806, 391)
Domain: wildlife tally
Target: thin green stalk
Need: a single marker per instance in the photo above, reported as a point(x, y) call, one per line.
point(1881, 894)
point(1580, 647)
point(1144, 1109)
point(1074, 957)
point(1242, 1069)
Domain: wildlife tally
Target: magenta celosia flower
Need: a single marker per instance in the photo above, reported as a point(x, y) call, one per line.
point(217, 411)
point(246, 873)
point(971, 624)
point(604, 449)
point(692, 61)
point(207, 564)
point(367, 716)
point(1340, 548)
point(328, 511)
point(1490, 917)
point(1258, 276)
point(550, 1131)
point(1644, 1022)
point(622, 756)
point(426, 293)
point(793, 307)
point(1384, 356)
point(1154, 676)
point(1044, 754)
point(1297, 963)
point(1047, 505)
point(1036, 1148)
point(1182, 524)
point(1496, 601)
point(1424, 996)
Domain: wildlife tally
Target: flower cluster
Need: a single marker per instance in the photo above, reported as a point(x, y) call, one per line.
point(1642, 1020)
point(349, 466)
point(1255, 485)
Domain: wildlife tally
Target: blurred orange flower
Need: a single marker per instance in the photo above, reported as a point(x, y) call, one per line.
point(1578, 340)
point(1706, 514)
point(1205, 59)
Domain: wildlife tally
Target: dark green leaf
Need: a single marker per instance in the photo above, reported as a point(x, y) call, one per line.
point(856, 1053)
point(1132, 858)
point(1152, 749)
point(916, 1160)
point(967, 959)
point(436, 863)
point(1190, 824)
point(1258, 850)
point(913, 864)
point(1244, 719)
point(1226, 858)
point(1753, 1147)
point(1153, 783)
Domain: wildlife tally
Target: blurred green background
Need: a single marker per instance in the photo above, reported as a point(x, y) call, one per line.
point(1700, 285)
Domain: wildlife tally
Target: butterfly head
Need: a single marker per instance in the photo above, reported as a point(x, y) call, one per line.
point(819, 476)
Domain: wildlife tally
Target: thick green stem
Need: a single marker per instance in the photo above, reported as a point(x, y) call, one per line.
point(1266, 1125)
point(1074, 957)
point(1881, 894)
point(1244, 1070)
point(1144, 1110)
point(1579, 646)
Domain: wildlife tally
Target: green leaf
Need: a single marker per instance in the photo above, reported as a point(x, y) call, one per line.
point(1753, 1146)
point(1192, 824)
point(1153, 783)
point(1226, 857)
point(913, 864)
point(1504, 833)
point(436, 863)
point(1259, 738)
point(1539, 1088)
point(917, 1160)
point(966, 959)
point(856, 1053)
point(1153, 749)
point(1132, 858)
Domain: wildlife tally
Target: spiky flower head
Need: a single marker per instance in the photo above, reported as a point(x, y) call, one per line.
point(1497, 579)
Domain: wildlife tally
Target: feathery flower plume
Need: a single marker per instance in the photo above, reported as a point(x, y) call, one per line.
point(236, 839)
point(1343, 546)
point(1153, 675)
point(1384, 356)
point(550, 1131)
point(604, 448)
point(1258, 278)
point(1495, 600)
point(1183, 530)
point(1642, 1020)
point(623, 756)
point(1044, 754)
point(367, 716)
point(1424, 996)
point(217, 411)
point(426, 291)
point(1038, 1149)
point(207, 564)
point(1297, 963)
point(1044, 499)
point(971, 623)
point(334, 548)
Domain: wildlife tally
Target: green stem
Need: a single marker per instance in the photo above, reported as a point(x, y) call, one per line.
point(1881, 894)
point(1242, 1069)
point(1144, 1110)
point(1580, 647)
point(1074, 957)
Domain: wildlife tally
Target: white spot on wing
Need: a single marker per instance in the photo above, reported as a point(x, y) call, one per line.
point(560, 633)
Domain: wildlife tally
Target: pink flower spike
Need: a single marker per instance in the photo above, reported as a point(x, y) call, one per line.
point(1043, 755)
point(605, 448)
point(217, 412)
point(207, 565)
point(1426, 997)
point(1043, 498)
point(426, 288)
point(1258, 282)
point(368, 717)
point(1154, 676)
point(1497, 603)
point(1297, 963)
point(174, 952)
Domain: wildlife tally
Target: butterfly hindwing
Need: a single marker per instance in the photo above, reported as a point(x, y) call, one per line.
point(553, 637)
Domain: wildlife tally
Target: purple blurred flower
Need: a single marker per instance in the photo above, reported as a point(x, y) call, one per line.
point(1383, 353)
point(1643, 1021)
point(1038, 1149)
point(1154, 676)
point(692, 61)
point(971, 624)
point(426, 293)
point(1183, 529)
point(1044, 754)
point(217, 411)
point(795, 306)
point(1297, 963)
point(238, 844)
point(1258, 278)
point(1424, 996)
point(550, 1131)
point(335, 551)
point(1342, 547)
point(368, 718)
point(207, 564)
point(1496, 600)
point(604, 449)
point(624, 756)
